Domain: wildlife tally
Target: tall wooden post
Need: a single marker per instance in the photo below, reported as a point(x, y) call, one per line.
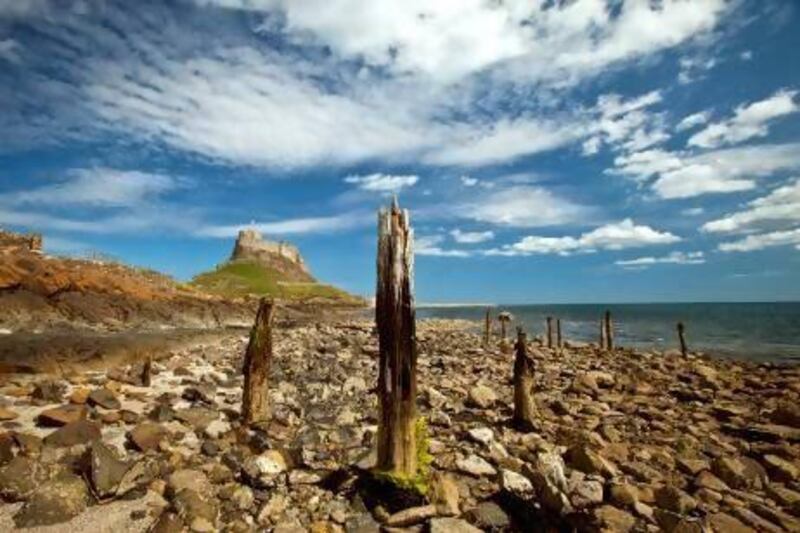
point(559, 342)
point(549, 332)
point(682, 339)
point(257, 361)
point(524, 406)
point(609, 326)
point(603, 334)
point(394, 315)
point(487, 328)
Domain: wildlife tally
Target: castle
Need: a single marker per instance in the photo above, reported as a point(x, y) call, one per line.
point(15, 241)
point(250, 245)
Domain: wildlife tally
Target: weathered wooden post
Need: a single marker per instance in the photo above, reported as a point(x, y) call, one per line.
point(147, 370)
point(609, 326)
point(602, 334)
point(504, 318)
point(524, 406)
point(257, 361)
point(487, 328)
point(559, 342)
point(549, 332)
point(394, 316)
point(682, 339)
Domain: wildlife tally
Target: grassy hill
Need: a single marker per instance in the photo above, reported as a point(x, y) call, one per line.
point(251, 278)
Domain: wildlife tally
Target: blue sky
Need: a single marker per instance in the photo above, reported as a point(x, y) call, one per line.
point(549, 151)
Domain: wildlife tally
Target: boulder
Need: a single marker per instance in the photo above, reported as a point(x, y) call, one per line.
point(74, 433)
point(61, 416)
point(104, 398)
point(20, 477)
point(609, 518)
point(475, 465)
point(481, 396)
point(106, 470)
point(146, 436)
point(489, 517)
point(53, 502)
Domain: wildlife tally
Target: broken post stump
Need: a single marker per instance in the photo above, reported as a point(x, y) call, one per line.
point(147, 370)
point(524, 406)
point(559, 342)
point(549, 332)
point(394, 316)
point(602, 334)
point(504, 318)
point(682, 339)
point(255, 399)
point(609, 329)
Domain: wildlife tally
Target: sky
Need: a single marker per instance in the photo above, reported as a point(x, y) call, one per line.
point(548, 151)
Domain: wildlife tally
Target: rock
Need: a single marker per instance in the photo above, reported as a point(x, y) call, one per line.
point(49, 391)
point(261, 470)
point(677, 523)
point(584, 383)
point(675, 500)
point(80, 432)
point(516, 484)
point(200, 393)
point(786, 414)
point(196, 508)
point(451, 525)
point(188, 479)
point(780, 469)
point(411, 516)
point(476, 466)
point(217, 428)
point(106, 470)
point(146, 436)
point(489, 517)
point(481, 396)
point(79, 396)
point(61, 416)
point(361, 523)
point(589, 462)
point(444, 494)
point(168, 522)
point(20, 477)
point(550, 481)
point(243, 497)
point(707, 480)
point(481, 435)
point(586, 493)
point(609, 518)
point(197, 417)
point(104, 398)
point(739, 472)
point(623, 494)
point(7, 414)
point(725, 523)
point(56, 501)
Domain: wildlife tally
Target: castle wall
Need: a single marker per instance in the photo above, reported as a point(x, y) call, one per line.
point(17, 241)
point(250, 244)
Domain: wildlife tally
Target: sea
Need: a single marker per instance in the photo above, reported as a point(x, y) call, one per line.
point(756, 331)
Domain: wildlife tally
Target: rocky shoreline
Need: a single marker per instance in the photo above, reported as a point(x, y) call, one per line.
point(626, 441)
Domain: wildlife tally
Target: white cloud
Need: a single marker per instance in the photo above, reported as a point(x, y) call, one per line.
point(693, 211)
point(677, 258)
point(747, 55)
point(471, 237)
point(469, 181)
point(625, 124)
point(764, 240)
point(523, 206)
point(781, 206)
point(382, 182)
point(679, 175)
point(748, 121)
point(98, 187)
point(692, 69)
point(10, 50)
point(431, 245)
point(294, 226)
point(615, 236)
point(693, 120)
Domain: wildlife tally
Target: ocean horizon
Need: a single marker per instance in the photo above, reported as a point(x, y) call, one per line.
point(761, 331)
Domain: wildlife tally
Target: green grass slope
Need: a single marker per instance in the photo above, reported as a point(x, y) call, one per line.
point(249, 278)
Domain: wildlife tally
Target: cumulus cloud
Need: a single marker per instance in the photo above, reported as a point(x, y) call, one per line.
point(385, 183)
point(615, 236)
point(625, 124)
point(693, 120)
point(677, 258)
point(763, 240)
point(682, 175)
point(469, 181)
point(471, 237)
point(431, 245)
point(781, 206)
point(98, 187)
point(749, 121)
point(523, 206)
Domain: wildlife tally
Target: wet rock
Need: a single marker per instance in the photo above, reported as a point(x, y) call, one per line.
point(20, 477)
point(74, 433)
point(56, 501)
point(476, 466)
point(451, 525)
point(106, 470)
point(489, 517)
point(60, 416)
point(146, 436)
point(104, 398)
point(481, 396)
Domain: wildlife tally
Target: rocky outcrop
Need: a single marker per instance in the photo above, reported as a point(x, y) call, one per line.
point(281, 256)
point(31, 242)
